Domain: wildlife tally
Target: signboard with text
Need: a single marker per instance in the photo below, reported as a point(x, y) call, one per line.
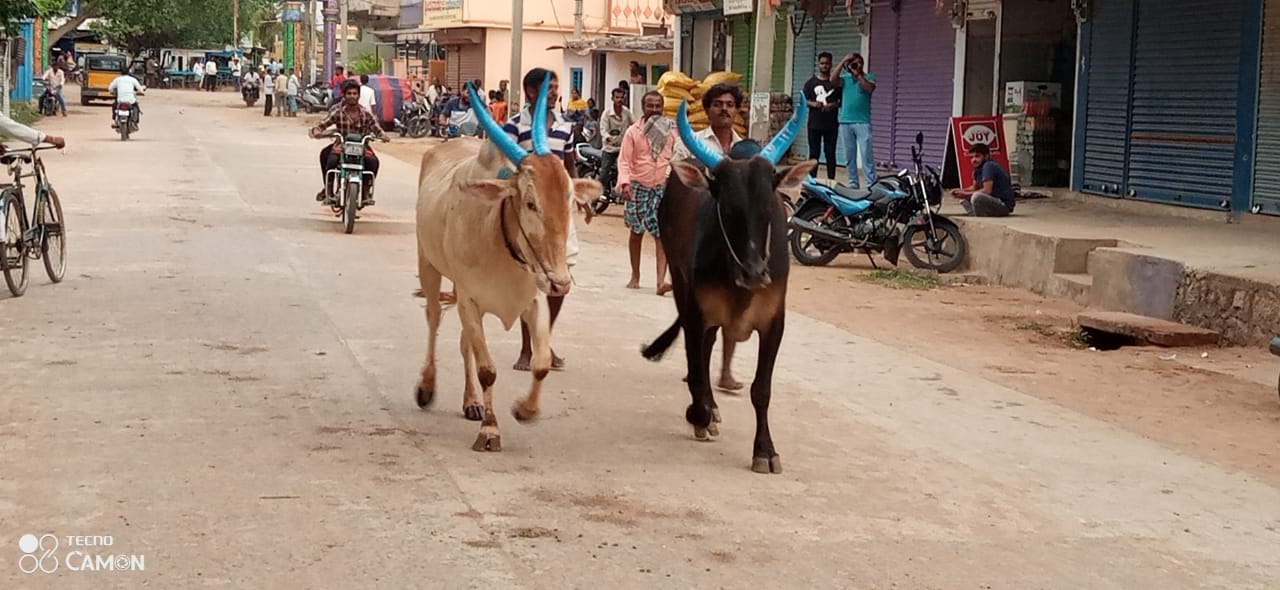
point(438, 13)
point(964, 132)
point(737, 7)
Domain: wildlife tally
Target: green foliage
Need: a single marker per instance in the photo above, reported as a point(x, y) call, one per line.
point(368, 63)
point(149, 24)
point(24, 112)
point(903, 279)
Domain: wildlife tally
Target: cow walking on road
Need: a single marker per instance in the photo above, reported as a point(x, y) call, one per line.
point(501, 242)
point(725, 234)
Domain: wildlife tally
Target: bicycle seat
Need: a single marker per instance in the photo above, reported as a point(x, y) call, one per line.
point(851, 193)
point(591, 152)
point(9, 158)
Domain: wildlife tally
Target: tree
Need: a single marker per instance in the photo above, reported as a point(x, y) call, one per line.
point(143, 24)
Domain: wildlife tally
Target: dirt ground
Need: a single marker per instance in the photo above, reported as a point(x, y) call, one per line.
point(1222, 406)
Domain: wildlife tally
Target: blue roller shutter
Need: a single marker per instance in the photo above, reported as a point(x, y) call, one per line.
point(838, 35)
point(1186, 67)
point(1266, 172)
point(1109, 65)
point(804, 63)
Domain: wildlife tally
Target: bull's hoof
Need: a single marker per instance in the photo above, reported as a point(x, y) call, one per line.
point(488, 443)
point(523, 414)
point(474, 413)
point(424, 397)
point(767, 465)
point(714, 427)
point(705, 433)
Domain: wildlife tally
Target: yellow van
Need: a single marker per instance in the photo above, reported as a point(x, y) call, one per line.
point(99, 70)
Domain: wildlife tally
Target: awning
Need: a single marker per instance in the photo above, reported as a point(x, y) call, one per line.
point(416, 34)
point(629, 44)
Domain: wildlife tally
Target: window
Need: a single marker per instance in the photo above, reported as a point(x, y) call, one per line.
point(575, 79)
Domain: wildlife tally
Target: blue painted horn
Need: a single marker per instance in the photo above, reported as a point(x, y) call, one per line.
point(782, 141)
point(539, 132)
point(696, 146)
point(510, 148)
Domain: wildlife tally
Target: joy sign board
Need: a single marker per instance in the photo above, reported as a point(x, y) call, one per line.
point(966, 131)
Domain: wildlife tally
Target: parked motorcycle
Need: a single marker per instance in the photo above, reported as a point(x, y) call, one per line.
point(48, 103)
point(414, 119)
point(314, 98)
point(347, 183)
point(250, 92)
point(590, 164)
point(898, 213)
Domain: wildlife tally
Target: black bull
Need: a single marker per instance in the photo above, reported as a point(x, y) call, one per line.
point(725, 235)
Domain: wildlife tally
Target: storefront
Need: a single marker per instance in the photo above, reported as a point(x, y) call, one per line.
point(836, 33)
point(1167, 99)
point(704, 35)
point(913, 56)
point(463, 54)
point(1266, 169)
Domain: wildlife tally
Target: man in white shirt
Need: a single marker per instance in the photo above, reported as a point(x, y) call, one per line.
point(211, 75)
point(721, 103)
point(125, 88)
point(54, 79)
point(268, 91)
point(235, 71)
point(368, 98)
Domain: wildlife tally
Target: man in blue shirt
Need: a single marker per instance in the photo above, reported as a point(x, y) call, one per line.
point(992, 193)
point(855, 117)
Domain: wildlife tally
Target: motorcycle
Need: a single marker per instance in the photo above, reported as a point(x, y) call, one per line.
point(414, 119)
point(897, 215)
point(250, 92)
point(48, 103)
point(590, 164)
point(346, 184)
point(314, 98)
point(126, 119)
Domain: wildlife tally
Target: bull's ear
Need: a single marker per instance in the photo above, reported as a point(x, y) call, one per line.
point(690, 175)
point(586, 190)
point(490, 191)
point(790, 178)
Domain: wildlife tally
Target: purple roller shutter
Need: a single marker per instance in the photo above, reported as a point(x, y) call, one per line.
point(913, 56)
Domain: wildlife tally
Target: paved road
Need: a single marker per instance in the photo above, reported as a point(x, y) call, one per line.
point(224, 386)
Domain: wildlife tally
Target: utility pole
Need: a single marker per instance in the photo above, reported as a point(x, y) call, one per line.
point(577, 19)
point(517, 46)
point(330, 17)
point(235, 24)
point(309, 62)
point(342, 14)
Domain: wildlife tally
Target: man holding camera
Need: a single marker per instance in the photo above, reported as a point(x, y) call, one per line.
point(855, 117)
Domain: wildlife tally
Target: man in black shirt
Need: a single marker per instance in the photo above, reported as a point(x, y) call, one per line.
point(822, 92)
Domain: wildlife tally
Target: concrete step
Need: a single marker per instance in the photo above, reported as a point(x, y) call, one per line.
point(1073, 286)
point(1145, 329)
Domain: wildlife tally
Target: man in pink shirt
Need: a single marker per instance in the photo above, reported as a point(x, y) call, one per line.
point(643, 165)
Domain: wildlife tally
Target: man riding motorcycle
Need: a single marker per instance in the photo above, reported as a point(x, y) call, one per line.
point(347, 117)
point(124, 89)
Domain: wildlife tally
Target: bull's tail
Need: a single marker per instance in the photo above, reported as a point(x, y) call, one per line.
point(657, 348)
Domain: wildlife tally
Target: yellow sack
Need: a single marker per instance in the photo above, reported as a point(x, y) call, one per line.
point(680, 93)
point(670, 103)
point(699, 120)
point(721, 78)
point(674, 79)
point(700, 90)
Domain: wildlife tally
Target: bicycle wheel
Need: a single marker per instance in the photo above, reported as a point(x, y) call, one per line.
point(13, 261)
point(53, 243)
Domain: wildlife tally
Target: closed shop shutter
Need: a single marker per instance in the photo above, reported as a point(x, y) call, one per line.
point(741, 60)
point(804, 63)
point(1106, 124)
point(882, 56)
point(471, 64)
point(452, 62)
point(924, 72)
point(1185, 82)
point(1266, 173)
point(838, 35)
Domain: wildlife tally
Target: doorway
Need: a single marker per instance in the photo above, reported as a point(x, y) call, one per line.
point(980, 66)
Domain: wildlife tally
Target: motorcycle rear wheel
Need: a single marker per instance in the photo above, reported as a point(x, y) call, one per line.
point(822, 253)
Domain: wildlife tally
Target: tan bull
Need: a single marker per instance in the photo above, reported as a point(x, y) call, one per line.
point(501, 242)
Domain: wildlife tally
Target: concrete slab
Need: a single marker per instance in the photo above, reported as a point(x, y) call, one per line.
point(1147, 329)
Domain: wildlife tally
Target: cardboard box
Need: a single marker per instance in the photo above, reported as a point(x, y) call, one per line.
point(1016, 93)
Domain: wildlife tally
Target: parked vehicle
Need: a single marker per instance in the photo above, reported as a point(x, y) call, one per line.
point(899, 212)
point(315, 98)
point(590, 162)
point(100, 70)
point(414, 119)
point(348, 182)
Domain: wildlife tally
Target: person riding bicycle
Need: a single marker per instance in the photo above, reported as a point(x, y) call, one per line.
point(21, 132)
point(347, 117)
point(124, 89)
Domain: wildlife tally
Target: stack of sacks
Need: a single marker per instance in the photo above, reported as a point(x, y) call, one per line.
point(676, 86)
